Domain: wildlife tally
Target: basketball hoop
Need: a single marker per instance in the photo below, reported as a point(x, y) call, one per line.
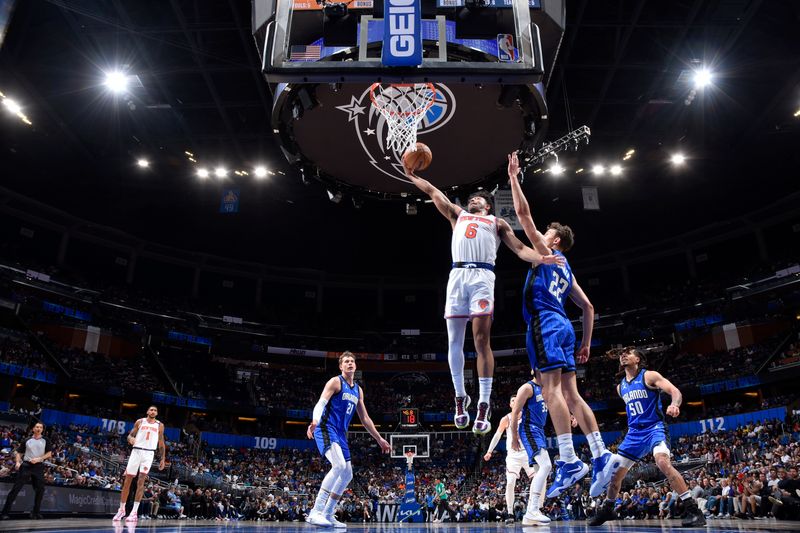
point(403, 105)
point(410, 458)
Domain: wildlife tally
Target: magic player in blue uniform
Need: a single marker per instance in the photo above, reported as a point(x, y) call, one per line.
point(340, 398)
point(647, 433)
point(529, 434)
point(551, 346)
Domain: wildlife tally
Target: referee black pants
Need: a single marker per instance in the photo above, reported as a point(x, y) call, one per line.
point(27, 473)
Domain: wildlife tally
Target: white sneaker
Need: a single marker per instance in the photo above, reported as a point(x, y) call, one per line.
point(132, 518)
point(317, 519)
point(336, 523)
point(535, 519)
point(120, 515)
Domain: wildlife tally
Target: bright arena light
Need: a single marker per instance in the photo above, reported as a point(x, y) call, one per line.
point(702, 78)
point(677, 159)
point(598, 170)
point(260, 172)
point(202, 173)
point(615, 170)
point(556, 169)
point(12, 106)
point(117, 82)
point(143, 163)
point(220, 172)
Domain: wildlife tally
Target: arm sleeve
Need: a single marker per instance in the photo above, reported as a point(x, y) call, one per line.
point(495, 441)
point(319, 409)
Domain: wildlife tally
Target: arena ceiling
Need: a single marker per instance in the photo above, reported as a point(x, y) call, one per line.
point(624, 70)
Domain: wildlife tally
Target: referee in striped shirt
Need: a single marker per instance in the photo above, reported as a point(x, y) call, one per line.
point(30, 456)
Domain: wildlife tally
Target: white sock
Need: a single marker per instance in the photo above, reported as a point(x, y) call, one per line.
point(456, 330)
point(135, 507)
point(566, 451)
point(330, 507)
point(322, 499)
point(485, 388)
point(539, 481)
point(596, 444)
point(511, 482)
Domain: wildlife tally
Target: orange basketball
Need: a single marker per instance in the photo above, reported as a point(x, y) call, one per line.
point(418, 159)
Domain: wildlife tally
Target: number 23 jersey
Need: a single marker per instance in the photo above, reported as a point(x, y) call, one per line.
point(546, 289)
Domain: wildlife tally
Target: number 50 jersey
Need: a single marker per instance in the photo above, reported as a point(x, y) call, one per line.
point(546, 289)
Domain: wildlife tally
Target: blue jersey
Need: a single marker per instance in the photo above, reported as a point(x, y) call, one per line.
point(546, 289)
point(340, 409)
point(534, 412)
point(642, 403)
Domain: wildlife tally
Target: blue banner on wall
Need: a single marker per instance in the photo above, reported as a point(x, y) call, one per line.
point(169, 399)
point(115, 427)
point(66, 311)
point(186, 337)
point(729, 384)
point(10, 369)
point(725, 423)
point(225, 440)
point(701, 322)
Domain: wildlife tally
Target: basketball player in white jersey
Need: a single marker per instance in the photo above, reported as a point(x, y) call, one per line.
point(470, 290)
point(147, 435)
point(516, 460)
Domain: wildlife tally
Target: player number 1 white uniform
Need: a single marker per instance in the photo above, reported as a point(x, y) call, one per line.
point(144, 449)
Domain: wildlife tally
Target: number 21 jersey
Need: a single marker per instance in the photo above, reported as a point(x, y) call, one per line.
point(546, 289)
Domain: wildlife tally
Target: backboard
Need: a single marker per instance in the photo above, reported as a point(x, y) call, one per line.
point(487, 60)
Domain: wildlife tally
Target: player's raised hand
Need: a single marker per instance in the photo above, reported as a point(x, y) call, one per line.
point(310, 431)
point(385, 446)
point(582, 355)
point(513, 165)
point(673, 410)
point(554, 259)
point(487, 456)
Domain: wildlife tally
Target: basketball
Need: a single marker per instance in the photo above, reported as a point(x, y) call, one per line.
point(418, 159)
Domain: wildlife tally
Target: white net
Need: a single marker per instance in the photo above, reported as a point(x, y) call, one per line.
point(403, 106)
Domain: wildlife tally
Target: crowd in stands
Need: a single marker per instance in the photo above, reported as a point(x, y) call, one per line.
point(15, 349)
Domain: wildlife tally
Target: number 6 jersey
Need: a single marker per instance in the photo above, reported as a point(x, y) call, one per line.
point(475, 239)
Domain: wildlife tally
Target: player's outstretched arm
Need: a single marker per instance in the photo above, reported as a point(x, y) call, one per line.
point(526, 253)
point(655, 380)
point(370, 425)
point(522, 207)
point(501, 427)
point(580, 299)
point(524, 394)
point(447, 208)
point(333, 386)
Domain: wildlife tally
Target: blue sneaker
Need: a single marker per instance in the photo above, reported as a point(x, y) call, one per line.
point(603, 470)
point(567, 474)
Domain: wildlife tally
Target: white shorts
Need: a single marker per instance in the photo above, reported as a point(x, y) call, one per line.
point(470, 293)
point(516, 461)
point(140, 461)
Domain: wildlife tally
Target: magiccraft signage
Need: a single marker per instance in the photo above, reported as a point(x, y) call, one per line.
point(402, 37)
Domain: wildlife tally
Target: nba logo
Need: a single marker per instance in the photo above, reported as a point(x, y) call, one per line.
point(505, 48)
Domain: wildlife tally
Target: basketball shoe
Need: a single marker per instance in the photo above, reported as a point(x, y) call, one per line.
point(604, 513)
point(318, 519)
point(336, 523)
point(132, 518)
point(120, 515)
point(603, 470)
point(461, 418)
point(567, 474)
point(482, 425)
point(535, 518)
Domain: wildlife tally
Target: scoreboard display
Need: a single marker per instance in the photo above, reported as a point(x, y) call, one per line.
point(409, 417)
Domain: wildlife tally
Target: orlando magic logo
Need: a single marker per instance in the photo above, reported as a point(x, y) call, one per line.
point(371, 128)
